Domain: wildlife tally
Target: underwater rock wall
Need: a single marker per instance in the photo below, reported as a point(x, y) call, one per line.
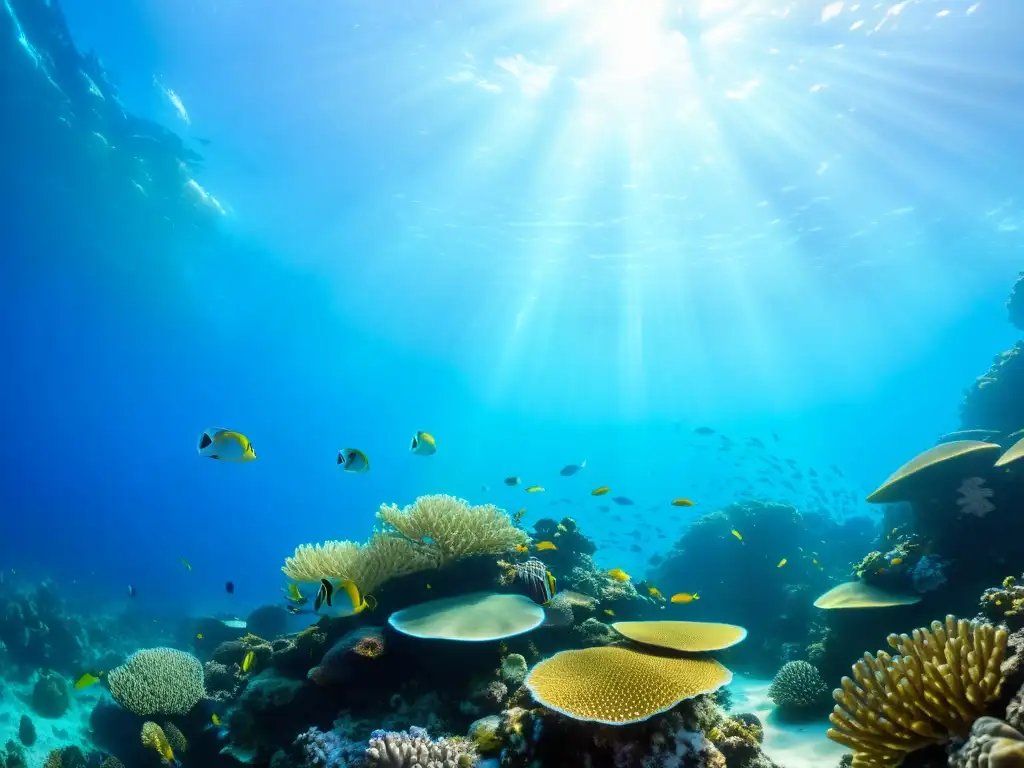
point(73, 152)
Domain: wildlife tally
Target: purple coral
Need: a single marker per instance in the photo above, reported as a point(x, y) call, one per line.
point(329, 749)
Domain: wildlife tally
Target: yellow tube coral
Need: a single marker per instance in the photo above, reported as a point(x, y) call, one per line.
point(936, 687)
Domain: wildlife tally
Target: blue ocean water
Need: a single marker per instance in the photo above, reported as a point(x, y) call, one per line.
point(544, 232)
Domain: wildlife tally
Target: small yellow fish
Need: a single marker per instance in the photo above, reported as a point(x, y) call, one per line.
point(199, 636)
point(685, 597)
point(544, 546)
point(655, 593)
point(429, 587)
point(600, 490)
point(186, 563)
point(248, 661)
point(618, 574)
point(682, 503)
point(214, 719)
point(292, 593)
point(782, 562)
point(609, 611)
point(518, 516)
point(737, 534)
point(521, 548)
point(815, 563)
point(534, 489)
point(896, 561)
point(86, 680)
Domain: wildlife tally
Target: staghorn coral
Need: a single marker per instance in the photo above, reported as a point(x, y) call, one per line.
point(452, 529)
point(936, 687)
point(431, 533)
point(993, 744)
point(153, 737)
point(158, 681)
point(415, 749)
point(797, 685)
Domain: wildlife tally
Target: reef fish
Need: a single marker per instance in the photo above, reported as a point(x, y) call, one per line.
point(353, 460)
point(349, 603)
point(737, 534)
point(545, 545)
point(601, 490)
point(704, 431)
point(225, 445)
point(782, 562)
point(682, 503)
point(571, 469)
point(511, 480)
point(87, 680)
point(618, 574)
point(292, 593)
point(185, 562)
point(537, 579)
point(681, 598)
point(229, 587)
point(623, 501)
point(423, 444)
point(248, 661)
point(534, 489)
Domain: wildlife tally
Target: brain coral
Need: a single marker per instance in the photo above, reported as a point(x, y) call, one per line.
point(797, 685)
point(617, 686)
point(686, 636)
point(162, 681)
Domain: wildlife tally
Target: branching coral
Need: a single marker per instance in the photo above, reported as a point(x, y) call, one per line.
point(431, 533)
point(161, 681)
point(936, 687)
point(451, 528)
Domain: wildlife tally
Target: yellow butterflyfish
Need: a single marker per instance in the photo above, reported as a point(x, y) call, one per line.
point(782, 562)
point(618, 574)
point(248, 661)
point(543, 546)
point(737, 534)
point(86, 681)
point(225, 445)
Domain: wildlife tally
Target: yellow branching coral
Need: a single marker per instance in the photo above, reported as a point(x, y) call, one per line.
point(153, 737)
point(933, 690)
point(452, 528)
point(429, 534)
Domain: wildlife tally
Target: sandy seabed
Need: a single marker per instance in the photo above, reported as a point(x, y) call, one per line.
point(790, 745)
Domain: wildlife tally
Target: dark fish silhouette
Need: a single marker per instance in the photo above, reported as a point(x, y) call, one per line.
point(623, 501)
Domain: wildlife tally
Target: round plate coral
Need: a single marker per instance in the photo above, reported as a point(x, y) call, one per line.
point(476, 617)
point(618, 686)
point(686, 636)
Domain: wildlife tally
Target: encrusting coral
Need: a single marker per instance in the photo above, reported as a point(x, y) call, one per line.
point(797, 685)
point(158, 681)
point(429, 534)
point(934, 690)
point(993, 744)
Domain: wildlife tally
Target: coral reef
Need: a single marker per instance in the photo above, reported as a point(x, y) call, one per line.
point(431, 533)
point(798, 686)
point(415, 749)
point(939, 684)
point(992, 744)
point(158, 681)
point(50, 697)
